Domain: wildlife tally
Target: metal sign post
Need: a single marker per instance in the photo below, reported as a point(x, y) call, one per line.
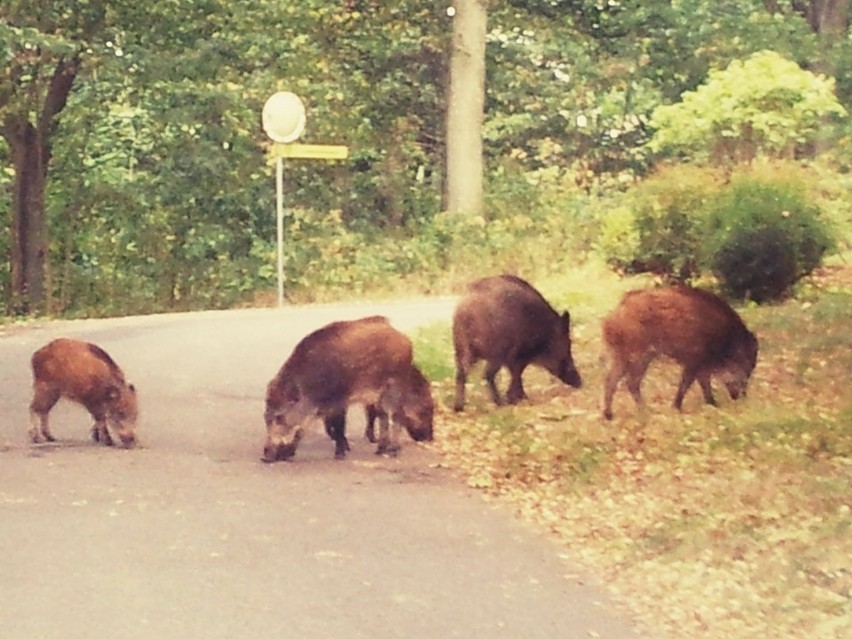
point(279, 199)
point(284, 120)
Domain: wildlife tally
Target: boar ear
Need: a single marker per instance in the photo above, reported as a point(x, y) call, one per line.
point(565, 319)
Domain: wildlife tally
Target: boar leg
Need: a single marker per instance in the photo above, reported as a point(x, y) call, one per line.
point(388, 435)
point(634, 385)
point(461, 380)
point(516, 386)
point(687, 377)
point(335, 426)
point(706, 388)
point(44, 399)
point(390, 412)
point(491, 370)
point(613, 376)
point(39, 429)
point(635, 374)
point(100, 432)
point(370, 429)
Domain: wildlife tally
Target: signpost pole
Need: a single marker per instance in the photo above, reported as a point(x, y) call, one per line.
point(283, 119)
point(279, 188)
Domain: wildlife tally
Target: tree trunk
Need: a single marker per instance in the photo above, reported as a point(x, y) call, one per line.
point(465, 108)
point(829, 18)
point(30, 151)
point(29, 223)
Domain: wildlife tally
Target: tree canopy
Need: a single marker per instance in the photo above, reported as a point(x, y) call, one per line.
point(764, 104)
point(132, 150)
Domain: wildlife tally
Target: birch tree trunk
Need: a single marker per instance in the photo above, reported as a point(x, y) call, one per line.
point(465, 106)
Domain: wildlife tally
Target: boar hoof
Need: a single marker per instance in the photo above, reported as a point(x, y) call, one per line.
point(101, 436)
point(391, 450)
point(607, 414)
point(341, 447)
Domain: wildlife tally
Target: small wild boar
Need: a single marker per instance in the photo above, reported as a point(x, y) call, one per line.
point(418, 430)
point(363, 361)
point(506, 322)
point(695, 328)
point(86, 374)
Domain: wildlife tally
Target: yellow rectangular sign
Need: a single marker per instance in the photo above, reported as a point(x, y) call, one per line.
point(309, 151)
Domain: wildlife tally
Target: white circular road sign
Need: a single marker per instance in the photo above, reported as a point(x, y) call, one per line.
point(283, 117)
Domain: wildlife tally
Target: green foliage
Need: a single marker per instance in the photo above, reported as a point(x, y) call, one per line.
point(763, 236)
point(758, 234)
point(618, 243)
point(434, 351)
point(833, 190)
point(658, 226)
point(322, 252)
point(765, 105)
point(159, 196)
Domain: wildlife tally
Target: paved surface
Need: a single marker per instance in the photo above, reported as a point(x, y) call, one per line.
point(192, 536)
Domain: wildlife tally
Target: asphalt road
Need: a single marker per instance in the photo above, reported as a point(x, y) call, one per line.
point(190, 535)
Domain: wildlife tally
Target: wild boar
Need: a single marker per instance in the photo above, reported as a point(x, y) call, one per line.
point(419, 430)
point(506, 322)
point(363, 361)
point(695, 328)
point(86, 374)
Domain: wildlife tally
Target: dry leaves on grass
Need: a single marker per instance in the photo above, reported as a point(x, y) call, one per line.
point(729, 522)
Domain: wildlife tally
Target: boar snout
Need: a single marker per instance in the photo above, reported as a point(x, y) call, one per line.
point(278, 449)
point(278, 452)
point(128, 440)
point(568, 373)
point(736, 388)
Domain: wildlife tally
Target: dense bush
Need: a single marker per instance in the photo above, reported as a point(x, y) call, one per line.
point(764, 234)
point(659, 226)
point(758, 234)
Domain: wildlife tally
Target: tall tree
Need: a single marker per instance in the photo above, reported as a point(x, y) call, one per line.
point(43, 48)
point(465, 108)
point(56, 48)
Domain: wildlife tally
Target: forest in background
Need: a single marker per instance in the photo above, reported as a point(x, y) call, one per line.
point(609, 125)
point(159, 195)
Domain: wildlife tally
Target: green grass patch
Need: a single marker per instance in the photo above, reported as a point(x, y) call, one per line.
point(434, 351)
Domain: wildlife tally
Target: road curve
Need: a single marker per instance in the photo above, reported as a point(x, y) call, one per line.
point(192, 536)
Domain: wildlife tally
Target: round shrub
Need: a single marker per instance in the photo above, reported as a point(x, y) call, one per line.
point(659, 227)
point(763, 236)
